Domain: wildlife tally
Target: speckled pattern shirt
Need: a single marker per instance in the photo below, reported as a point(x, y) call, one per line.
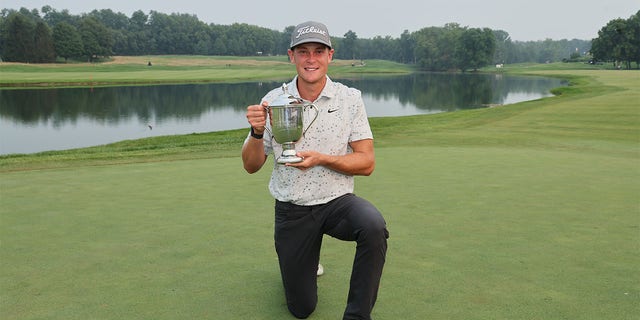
point(342, 118)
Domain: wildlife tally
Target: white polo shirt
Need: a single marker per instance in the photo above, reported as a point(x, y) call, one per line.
point(342, 118)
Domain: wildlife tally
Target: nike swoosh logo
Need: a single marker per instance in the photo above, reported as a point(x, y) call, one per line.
point(333, 110)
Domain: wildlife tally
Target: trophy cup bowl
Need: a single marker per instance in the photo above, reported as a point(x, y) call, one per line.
point(287, 125)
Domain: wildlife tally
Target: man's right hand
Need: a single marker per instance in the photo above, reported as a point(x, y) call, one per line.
point(257, 117)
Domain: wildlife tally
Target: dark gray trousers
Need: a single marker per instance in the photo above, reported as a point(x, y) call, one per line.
point(298, 238)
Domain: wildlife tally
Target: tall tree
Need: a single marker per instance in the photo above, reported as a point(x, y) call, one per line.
point(118, 25)
point(96, 38)
point(349, 45)
point(634, 32)
point(53, 17)
point(504, 47)
point(435, 47)
point(426, 48)
point(475, 48)
point(407, 47)
point(218, 40)
point(68, 43)
point(18, 43)
point(138, 36)
point(44, 50)
point(111, 20)
point(285, 40)
point(611, 42)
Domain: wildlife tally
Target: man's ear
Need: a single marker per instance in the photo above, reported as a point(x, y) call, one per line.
point(291, 57)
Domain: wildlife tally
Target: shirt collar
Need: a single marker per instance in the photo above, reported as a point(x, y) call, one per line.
point(328, 91)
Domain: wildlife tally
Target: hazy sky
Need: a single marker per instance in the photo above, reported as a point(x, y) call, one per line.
point(523, 19)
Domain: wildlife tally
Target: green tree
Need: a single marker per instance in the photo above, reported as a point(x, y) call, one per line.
point(634, 37)
point(202, 45)
point(44, 51)
point(475, 48)
point(435, 47)
point(176, 33)
point(118, 25)
point(68, 43)
point(18, 38)
point(611, 42)
point(53, 17)
point(386, 48)
point(619, 42)
point(407, 47)
point(627, 49)
point(426, 48)
point(220, 46)
point(448, 45)
point(285, 40)
point(218, 40)
point(112, 20)
point(349, 48)
point(138, 36)
point(96, 38)
point(138, 20)
point(242, 39)
point(504, 47)
point(432, 48)
point(189, 33)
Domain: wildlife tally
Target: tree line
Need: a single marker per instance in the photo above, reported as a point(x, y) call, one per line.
point(46, 35)
point(619, 42)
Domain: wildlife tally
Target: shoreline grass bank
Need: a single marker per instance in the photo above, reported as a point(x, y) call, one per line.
point(174, 70)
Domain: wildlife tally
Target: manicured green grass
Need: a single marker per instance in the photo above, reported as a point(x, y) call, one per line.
point(527, 211)
point(221, 144)
point(172, 69)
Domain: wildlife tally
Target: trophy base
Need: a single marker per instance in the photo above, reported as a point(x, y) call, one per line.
point(289, 159)
point(288, 154)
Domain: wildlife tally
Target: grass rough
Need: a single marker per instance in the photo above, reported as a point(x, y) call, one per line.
point(525, 211)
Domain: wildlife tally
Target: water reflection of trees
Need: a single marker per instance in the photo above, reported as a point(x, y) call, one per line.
point(450, 92)
point(113, 104)
point(427, 91)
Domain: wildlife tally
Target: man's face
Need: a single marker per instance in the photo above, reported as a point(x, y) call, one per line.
point(312, 61)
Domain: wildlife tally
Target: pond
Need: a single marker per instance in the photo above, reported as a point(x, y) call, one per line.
point(34, 120)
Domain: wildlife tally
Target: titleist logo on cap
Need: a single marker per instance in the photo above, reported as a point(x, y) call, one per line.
point(310, 29)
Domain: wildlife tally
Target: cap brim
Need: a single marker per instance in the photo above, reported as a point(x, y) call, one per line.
point(310, 40)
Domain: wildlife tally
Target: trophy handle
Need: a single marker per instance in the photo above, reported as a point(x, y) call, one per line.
point(268, 119)
point(311, 106)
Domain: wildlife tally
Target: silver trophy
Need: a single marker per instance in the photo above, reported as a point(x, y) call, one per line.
point(287, 125)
